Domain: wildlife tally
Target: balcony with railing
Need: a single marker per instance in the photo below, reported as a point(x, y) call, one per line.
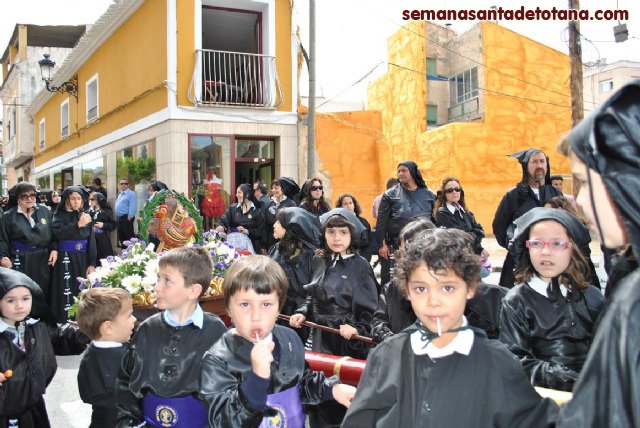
point(235, 79)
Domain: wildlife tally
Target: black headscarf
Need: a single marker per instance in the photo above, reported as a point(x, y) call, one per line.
point(523, 157)
point(289, 187)
point(67, 192)
point(578, 233)
point(415, 173)
point(10, 279)
point(300, 224)
point(608, 141)
point(102, 201)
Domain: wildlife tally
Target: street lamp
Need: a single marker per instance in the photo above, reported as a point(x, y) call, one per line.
point(46, 68)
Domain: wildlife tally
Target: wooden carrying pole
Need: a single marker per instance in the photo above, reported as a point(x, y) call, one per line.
point(329, 329)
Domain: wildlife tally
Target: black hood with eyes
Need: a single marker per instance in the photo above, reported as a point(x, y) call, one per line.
point(415, 173)
point(523, 158)
point(67, 193)
point(578, 233)
point(608, 142)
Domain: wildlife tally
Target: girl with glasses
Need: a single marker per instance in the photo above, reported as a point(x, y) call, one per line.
point(547, 319)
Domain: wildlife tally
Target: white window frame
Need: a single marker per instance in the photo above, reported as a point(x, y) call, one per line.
point(465, 86)
point(606, 86)
point(42, 134)
point(64, 133)
point(89, 82)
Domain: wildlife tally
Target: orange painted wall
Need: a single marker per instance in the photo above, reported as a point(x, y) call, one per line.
point(517, 70)
point(350, 146)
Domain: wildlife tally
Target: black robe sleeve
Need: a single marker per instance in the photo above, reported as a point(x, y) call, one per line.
point(514, 332)
point(128, 408)
point(380, 324)
point(225, 219)
point(607, 393)
point(67, 339)
point(504, 216)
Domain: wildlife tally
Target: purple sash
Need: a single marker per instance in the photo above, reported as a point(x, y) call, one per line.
point(178, 412)
point(22, 247)
point(288, 406)
point(70, 246)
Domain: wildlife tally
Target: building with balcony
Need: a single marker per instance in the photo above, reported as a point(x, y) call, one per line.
point(601, 80)
point(20, 84)
point(183, 92)
point(458, 104)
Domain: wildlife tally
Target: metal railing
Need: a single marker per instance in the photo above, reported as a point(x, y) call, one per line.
point(235, 79)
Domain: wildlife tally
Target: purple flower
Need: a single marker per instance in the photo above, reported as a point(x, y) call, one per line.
point(110, 259)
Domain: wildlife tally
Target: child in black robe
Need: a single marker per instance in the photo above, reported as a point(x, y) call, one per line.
point(343, 295)
point(440, 372)
point(158, 381)
point(103, 224)
point(604, 150)
point(105, 315)
point(548, 317)
point(27, 351)
point(256, 374)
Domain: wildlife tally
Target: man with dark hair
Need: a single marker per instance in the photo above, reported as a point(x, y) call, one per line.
point(97, 187)
point(261, 193)
point(406, 201)
point(532, 191)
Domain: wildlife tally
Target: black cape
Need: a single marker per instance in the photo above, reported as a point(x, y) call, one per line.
point(151, 366)
point(398, 207)
point(486, 388)
point(468, 223)
point(97, 383)
point(228, 363)
point(21, 395)
point(343, 294)
point(607, 393)
point(65, 227)
point(550, 335)
point(15, 226)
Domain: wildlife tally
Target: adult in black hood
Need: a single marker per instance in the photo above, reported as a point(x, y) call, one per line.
point(604, 150)
point(532, 191)
point(409, 200)
point(290, 188)
point(77, 247)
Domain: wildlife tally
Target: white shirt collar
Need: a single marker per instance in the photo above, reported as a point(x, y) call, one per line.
point(540, 286)
point(4, 326)
point(452, 208)
point(197, 318)
point(106, 344)
point(461, 344)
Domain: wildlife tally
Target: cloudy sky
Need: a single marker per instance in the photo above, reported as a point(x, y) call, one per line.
point(351, 34)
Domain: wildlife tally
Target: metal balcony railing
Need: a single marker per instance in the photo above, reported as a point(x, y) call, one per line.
point(235, 79)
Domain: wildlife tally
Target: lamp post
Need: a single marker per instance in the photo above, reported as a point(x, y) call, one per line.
point(46, 68)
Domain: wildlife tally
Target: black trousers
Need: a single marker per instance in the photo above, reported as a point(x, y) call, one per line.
point(125, 230)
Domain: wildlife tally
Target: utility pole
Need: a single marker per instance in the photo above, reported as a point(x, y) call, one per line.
point(575, 54)
point(311, 115)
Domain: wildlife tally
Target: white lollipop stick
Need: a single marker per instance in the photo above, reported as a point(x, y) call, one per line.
point(439, 326)
point(257, 337)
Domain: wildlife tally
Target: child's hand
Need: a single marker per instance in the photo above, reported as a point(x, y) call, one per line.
point(347, 331)
point(261, 358)
point(5, 375)
point(343, 394)
point(296, 320)
point(5, 262)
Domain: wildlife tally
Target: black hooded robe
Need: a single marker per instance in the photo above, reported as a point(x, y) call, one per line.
point(103, 236)
point(16, 227)
point(70, 264)
point(21, 396)
point(486, 388)
point(607, 393)
point(517, 201)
